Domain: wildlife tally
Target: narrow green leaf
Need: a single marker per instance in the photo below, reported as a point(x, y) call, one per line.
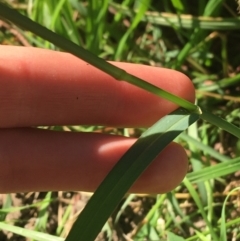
point(144, 4)
point(123, 206)
point(215, 171)
point(223, 83)
point(126, 172)
point(42, 217)
point(223, 232)
point(212, 7)
point(155, 208)
point(199, 204)
point(38, 236)
point(207, 149)
point(221, 123)
point(182, 21)
point(201, 236)
point(178, 5)
point(173, 237)
point(6, 205)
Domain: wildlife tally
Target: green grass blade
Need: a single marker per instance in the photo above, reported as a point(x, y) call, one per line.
point(56, 13)
point(95, 18)
point(126, 171)
point(160, 199)
point(6, 205)
point(144, 4)
point(178, 5)
point(201, 236)
point(175, 211)
point(38, 236)
point(207, 149)
point(221, 123)
point(184, 21)
point(124, 205)
point(66, 216)
point(43, 215)
point(215, 171)
point(223, 231)
point(154, 211)
point(228, 224)
point(173, 237)
point(212, 7)
point(199, 204)
point(223, 83)
point(118, 15)
point(197, 34)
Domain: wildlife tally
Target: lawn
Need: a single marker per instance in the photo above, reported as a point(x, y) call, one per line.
point(201, 41)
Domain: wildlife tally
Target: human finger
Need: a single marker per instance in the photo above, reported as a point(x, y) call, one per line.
point(41, 160)
point(42, 87)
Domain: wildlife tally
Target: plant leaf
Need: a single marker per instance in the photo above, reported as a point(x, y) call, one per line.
point(215, 171)
point(173, 237)
point(200, 206)
point(126, 172)
point(221, 123)
point(32, 234)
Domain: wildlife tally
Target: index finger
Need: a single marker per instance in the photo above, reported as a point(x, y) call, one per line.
point(42, 87)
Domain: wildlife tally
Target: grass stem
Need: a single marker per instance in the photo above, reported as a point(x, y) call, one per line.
point(221, 123)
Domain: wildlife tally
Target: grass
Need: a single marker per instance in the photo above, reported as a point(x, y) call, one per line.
point(193, 45)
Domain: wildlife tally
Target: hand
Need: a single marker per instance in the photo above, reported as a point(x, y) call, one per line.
point(42, 87)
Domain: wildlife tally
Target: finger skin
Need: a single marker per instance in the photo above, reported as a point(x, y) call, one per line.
point(42, 87)
point(40, 160)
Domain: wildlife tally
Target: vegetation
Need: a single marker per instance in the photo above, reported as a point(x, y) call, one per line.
point(199, 41)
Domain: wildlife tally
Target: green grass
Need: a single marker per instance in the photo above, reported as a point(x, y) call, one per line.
point(203, 46)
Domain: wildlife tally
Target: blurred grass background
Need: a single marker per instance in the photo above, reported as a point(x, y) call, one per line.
point(200, 40)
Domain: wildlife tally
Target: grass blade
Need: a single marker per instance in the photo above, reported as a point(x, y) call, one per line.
point(212, 7)
point(206, 149)
point(144, 4)
point(215, 171)
point(173, 237)
point(199, 204)
point(221, 123)
point(223, 83)
point(126, 171)
point(223, 231)
point(184, 21)
point(39, 236)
